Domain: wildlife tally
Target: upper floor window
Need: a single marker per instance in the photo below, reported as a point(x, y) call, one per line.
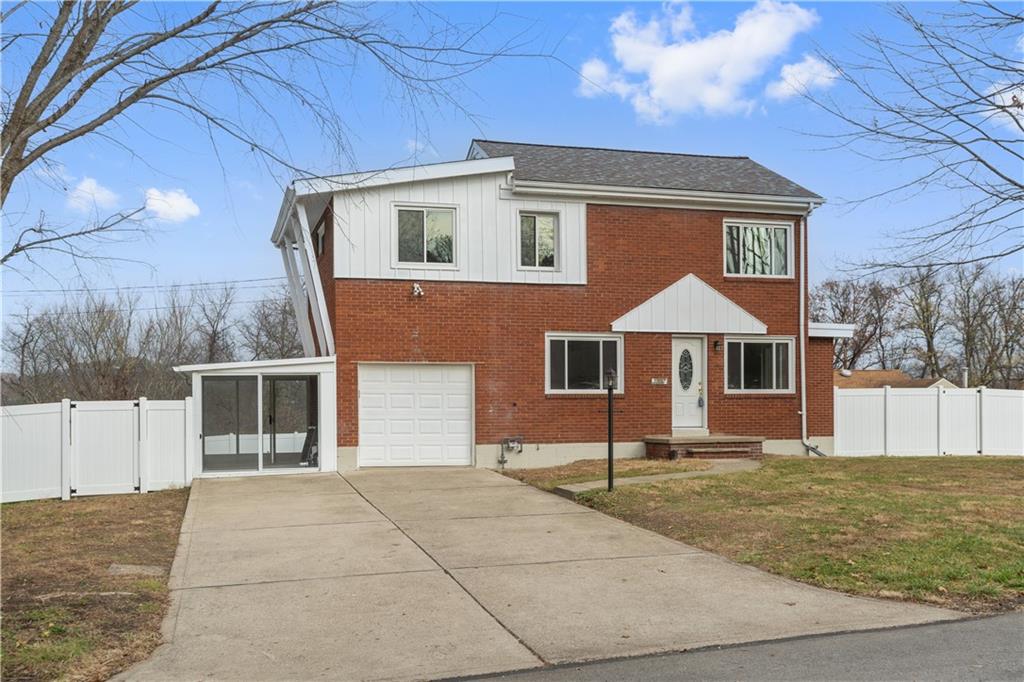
point(318, 239)
point(759, 366)
point(757, 249)
point(426, 235)
point(538, 240)
point(578, 363)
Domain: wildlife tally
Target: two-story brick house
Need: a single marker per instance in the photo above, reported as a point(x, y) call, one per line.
point(471, 302)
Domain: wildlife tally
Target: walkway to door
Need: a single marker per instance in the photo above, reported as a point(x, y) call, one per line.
point(426, 573)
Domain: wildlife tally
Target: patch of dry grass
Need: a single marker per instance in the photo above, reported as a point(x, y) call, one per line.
point(64, 616)
point(583, 470)
point(946, 530)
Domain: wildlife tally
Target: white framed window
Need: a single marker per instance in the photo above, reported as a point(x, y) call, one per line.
point(759, 365)
point(577, 363)
point(758, 248)
point(424, 236)
point(538, 241)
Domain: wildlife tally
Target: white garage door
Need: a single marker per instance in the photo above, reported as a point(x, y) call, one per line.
point(415, 415)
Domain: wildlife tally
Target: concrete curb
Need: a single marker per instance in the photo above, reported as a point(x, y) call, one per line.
point(718, 467)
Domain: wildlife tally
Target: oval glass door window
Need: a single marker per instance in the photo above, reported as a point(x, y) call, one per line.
point(685, 369)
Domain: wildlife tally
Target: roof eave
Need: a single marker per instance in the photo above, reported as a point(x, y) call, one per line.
point(541, 187)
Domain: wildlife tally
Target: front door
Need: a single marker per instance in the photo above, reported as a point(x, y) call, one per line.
point(688, 383)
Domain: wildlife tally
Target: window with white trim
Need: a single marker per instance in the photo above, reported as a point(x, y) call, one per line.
point(759, 366)
point(318, 239)
point(425, 235)
point(538, 240)
point(578, 363)
point(757, 250)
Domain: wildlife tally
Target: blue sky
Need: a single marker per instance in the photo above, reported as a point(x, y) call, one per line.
point(213, 212)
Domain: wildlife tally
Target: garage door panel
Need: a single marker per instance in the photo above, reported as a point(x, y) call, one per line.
point(458, 453)
point(401, 401)
point(430, 401)
point(429, 426)
point(455, 401)
point(401, 426)
point(415, 415)
point(430, 375)
point(372, 400)
point(456, 426)
point(397, 374)
point(373, 427)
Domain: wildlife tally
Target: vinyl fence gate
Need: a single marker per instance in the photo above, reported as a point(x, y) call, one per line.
point(94, 447)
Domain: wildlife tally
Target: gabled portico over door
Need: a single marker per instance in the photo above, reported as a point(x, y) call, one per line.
point(689, 309)
point(689, 403)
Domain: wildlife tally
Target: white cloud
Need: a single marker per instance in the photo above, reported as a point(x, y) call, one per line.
point(173, 205)
point(808, 74)
point(665, 67)
point(1007, 102)
point(89, 195)
point(417, 147)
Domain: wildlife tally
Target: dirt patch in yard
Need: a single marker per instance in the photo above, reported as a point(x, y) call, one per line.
point(584, 470)
point(65, 613)
point(946, 530)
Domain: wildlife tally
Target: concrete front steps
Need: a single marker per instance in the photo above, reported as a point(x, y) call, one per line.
point(712, 446)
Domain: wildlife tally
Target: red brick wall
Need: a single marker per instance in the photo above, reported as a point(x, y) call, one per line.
point(819, 387)
point(633, 253)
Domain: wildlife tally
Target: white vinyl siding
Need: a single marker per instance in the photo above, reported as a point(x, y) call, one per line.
point(758, 249)
point(576, 363)
point(487, 238)
point(759, 365)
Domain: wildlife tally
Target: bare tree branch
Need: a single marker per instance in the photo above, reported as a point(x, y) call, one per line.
point(947, 105)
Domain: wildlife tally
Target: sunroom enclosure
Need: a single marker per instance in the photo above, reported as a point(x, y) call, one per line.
point(263, 417)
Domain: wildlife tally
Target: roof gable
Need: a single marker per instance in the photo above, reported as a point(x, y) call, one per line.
point(689, 305)
point(641, 169)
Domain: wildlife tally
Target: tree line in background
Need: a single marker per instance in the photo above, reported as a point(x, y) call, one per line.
point(98, 346)
point(930, 322)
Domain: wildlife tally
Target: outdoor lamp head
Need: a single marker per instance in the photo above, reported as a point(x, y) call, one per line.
point(610, 378)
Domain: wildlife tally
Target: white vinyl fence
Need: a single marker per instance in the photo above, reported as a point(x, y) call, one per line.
point(94, 448)
point(928, 421)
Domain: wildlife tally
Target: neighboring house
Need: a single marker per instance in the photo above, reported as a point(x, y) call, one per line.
point(473, 303)
point(878, 378)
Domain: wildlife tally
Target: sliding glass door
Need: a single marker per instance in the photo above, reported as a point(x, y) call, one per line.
point(290, 422)
point(230, 429)
point(257, 423)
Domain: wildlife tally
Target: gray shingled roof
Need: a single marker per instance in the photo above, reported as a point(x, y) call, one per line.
point(657, 170)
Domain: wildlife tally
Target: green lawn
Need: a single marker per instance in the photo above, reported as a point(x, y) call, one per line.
point(583, 470)
point(946, 530)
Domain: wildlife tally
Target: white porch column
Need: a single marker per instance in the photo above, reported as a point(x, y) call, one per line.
point(298, 299)
point(314, 288)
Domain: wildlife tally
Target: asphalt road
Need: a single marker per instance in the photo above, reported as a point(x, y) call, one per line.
point(981, 649)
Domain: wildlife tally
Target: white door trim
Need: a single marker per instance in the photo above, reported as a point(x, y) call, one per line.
point(701, 430)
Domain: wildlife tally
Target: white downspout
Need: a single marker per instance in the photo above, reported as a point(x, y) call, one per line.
point(808, 447)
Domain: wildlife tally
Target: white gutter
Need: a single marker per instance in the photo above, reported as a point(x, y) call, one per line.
point(536, 187)
point(808, 446)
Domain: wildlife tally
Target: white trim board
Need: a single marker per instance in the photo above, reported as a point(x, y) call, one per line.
point(393, 176)
point(690, 306)
point(831, 330)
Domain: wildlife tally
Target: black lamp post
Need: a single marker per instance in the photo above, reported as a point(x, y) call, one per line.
point(609, 377)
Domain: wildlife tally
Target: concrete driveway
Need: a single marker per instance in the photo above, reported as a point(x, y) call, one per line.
point(428, 573)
